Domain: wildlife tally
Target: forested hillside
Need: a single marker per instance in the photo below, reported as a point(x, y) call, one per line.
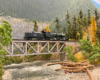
point(43, 10)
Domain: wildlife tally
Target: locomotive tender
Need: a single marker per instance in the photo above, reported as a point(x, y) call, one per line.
point(43, 35)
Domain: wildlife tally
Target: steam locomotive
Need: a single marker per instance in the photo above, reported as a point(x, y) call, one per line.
point(43, 35)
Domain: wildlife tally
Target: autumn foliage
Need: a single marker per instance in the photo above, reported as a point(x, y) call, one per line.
point(47, 29)
point(93, 30)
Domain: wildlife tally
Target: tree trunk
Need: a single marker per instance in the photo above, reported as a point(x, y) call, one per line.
point(91, 77)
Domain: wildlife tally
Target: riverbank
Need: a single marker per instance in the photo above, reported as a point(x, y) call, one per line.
point(38, 70)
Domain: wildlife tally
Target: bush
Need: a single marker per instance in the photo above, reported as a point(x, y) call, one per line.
point(29, 58)
point(91, 52)
point(8, 62)
point(70, 52)
point(46, 56)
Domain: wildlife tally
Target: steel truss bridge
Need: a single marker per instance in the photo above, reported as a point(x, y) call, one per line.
point(29, 47)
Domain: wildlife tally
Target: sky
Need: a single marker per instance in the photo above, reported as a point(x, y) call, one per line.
point(97, 2)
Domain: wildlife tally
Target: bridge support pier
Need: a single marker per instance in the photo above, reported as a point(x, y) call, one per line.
point(62, 56)
point(78, 49)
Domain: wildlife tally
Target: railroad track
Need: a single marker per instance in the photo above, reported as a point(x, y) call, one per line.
point(45, 40)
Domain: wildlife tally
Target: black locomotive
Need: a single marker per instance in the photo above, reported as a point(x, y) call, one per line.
point(43, 35)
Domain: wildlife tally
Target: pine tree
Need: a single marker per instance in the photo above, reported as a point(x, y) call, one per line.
point(75, 27)
point(85, 21)
point(64, 30)
point(81, 14)
point(47, 28)
point(67, 16)
point(57, 24)
point(93, 30)
point(89, 17)
point(35, 26)
point(69, 26)
point(69, 29)
point(98, 33)
point(86, 25)
point(96, 16)
point(80, 29)
point(80, 24)
point(89, 22)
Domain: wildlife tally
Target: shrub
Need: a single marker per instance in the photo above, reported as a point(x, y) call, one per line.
point(90, 51)
point(29, 58)
point(46, 56)
point(70, 52)
point(8, 62)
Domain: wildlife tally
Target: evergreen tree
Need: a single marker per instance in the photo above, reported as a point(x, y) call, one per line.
point(86, 25)
point(80, 29)
point(75, 22)
point(35, 26)
point(69, 29)
point(89, 22)
point(69, 26)
point(89, 17)
point(85, 21)
point(67, 16)
point(96, 16)
point(75, 27)
point(81, 14)
point(64, 30)
point(98, 33)
point(57, 24)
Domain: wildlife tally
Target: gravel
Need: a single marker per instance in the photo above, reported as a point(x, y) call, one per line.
point(38, 70)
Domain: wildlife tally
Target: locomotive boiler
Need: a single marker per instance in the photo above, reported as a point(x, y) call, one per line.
point(43, 35)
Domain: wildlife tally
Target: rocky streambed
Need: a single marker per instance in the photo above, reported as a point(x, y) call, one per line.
point(38, 70)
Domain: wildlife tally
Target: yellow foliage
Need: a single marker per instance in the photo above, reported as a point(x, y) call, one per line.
point(79, 56)
point(85, 32)
point(93, 30)
point(85, 35)
point(47, 29)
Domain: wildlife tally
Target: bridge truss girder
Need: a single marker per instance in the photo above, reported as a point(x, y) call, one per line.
point(37, 47)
